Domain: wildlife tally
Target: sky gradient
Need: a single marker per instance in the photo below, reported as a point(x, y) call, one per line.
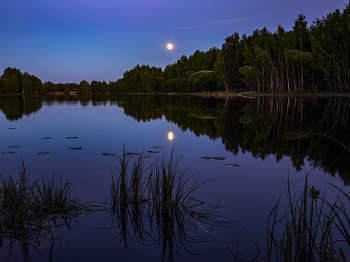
point(73, 40)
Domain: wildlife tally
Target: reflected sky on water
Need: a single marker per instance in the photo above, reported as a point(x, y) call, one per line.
point(244, 132)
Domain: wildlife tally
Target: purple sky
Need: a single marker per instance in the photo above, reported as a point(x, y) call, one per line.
point(74, 40)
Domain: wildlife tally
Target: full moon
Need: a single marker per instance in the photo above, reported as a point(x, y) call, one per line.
point(169, 46)
point(170, 135)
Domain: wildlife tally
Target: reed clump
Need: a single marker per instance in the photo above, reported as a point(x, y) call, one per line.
point(310, 228)
point(161, 183)
point(29, 205)
point(157, 204)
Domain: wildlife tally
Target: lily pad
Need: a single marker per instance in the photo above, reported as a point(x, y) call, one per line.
point(13, 146)
point(213, 157)
point(219, 158)
point(108, 154)
point(234, 165)
point(71, 137)
point(75, 148)
point(153, 152)
point(43, 153)
point(7, 153)
point(49, 137)
point(157, 147)
point(131, 154)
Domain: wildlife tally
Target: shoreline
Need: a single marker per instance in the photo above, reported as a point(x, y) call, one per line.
point(204, 94)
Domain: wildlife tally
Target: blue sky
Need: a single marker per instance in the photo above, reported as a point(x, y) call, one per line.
point(73, 40)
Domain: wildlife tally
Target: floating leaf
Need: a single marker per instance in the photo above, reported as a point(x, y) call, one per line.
point(131, 154)
point(49, 137)
point(234, 165)
point(43, 153)
point(12, 128)
point(108, 154)
point(213, 157)
point(7, 153)
point(157, 147)
point(71, 137)
point(13, 146)
point(219, 158)
point(75, 148)
point(153, 152)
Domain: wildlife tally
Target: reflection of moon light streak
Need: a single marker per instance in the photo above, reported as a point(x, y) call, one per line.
point(170, 135)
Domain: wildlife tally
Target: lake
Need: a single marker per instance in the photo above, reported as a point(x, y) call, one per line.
point(259, 144)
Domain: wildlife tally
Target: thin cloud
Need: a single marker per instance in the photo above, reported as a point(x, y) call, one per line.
point(228, 21)
point(243, 19)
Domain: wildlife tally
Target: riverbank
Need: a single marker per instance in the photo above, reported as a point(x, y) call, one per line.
point(205, 94)
point(255, 94)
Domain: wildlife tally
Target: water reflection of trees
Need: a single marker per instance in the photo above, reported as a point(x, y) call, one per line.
point(296, 127)
point(279, 126)
point(15, 107)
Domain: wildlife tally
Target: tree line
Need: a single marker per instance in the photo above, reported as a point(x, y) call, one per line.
point(306, 58)
point(13, 81)
point(309, 58)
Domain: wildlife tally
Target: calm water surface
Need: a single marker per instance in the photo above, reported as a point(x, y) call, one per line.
point(265, 138)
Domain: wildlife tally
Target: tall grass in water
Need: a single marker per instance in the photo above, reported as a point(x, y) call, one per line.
point(30, 208)
point(342, 217)
point(161, 183)
point(156, 203)
point(309, 228)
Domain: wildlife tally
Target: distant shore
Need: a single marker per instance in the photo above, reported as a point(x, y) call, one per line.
point(205, 94)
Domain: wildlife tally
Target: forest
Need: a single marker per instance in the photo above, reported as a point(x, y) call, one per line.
point(307, 58)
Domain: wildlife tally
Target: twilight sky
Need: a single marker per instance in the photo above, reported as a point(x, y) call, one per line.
point(73, 40)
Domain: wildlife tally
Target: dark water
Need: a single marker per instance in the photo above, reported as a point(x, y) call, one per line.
point(262, 140)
